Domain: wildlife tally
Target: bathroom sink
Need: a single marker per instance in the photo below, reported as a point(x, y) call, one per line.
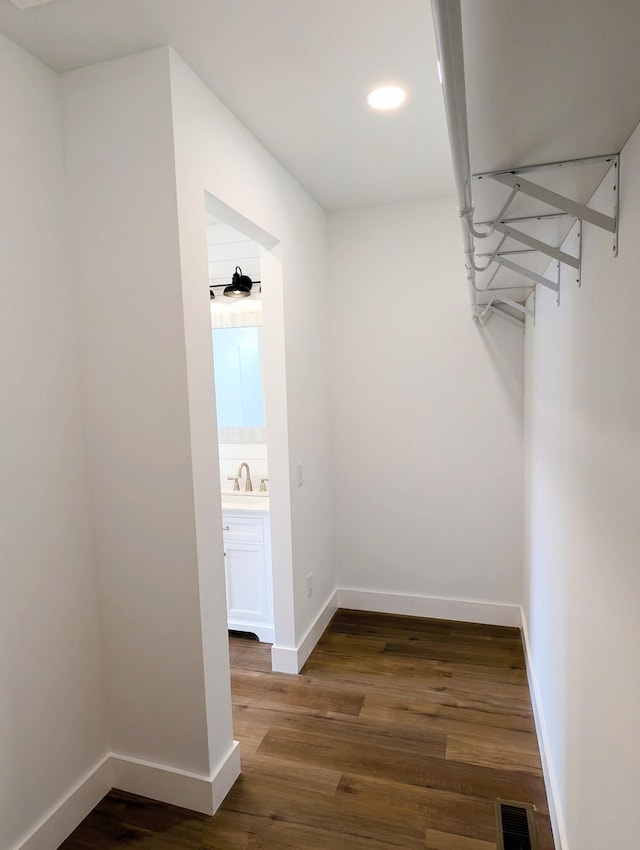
point(242, 494)
point(253, 501)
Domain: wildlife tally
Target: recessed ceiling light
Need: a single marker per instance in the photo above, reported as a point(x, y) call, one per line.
point(386, 97)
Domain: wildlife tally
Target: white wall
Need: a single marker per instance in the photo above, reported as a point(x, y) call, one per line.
point(427, 414)
point(583, 536)
point(216, 154)
point(162, 585)
point(52, 719)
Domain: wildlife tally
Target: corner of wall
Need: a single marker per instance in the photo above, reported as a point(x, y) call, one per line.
point(60, 821)
point(550, 782)
point(155, 781)
point(411, 605)
point(174, 786)
point(291, 659)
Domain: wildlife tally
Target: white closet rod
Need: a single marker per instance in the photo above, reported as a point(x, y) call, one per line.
point(447, 21)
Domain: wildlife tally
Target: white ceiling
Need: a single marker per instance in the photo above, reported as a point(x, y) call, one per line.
point(546, 80)
point(228, 248)
point(295, 72)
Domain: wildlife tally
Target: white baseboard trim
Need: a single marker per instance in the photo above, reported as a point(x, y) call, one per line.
point(492, 613)
point(550, 781)
point(60, 821)
point(315, 630)
point(156, 781)
point(286, 659)
point(178, 787)
point(291, 659)
point(225, 774)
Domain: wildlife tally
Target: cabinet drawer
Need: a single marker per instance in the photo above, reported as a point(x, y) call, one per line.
point(245, 528)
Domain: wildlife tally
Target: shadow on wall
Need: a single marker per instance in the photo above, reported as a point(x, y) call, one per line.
point(510, 370)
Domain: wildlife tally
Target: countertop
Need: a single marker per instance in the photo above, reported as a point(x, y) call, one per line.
point(242, 502)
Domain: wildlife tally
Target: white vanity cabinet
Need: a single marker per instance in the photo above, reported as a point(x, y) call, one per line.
point(247, 564)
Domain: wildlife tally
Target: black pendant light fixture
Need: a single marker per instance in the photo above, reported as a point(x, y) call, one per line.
point(240, 285)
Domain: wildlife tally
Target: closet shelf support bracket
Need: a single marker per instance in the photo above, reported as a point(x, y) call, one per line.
point(561, 202)
point(534, 276)
point(538, 245)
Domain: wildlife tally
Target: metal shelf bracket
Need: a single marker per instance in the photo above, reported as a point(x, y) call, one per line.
point(568, 207)
point(560, 202)
point(538, 245)
point(447, 18)
point(492, 309)
point(616, 203)
point(534, 276)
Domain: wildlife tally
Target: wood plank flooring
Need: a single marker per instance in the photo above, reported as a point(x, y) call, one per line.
point(399, 733)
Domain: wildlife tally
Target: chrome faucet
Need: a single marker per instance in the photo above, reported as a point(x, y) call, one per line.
point(248, 487)
point(236, 484)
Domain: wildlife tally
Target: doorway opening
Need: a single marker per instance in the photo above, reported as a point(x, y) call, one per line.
point(236, 322)
point(247, 336)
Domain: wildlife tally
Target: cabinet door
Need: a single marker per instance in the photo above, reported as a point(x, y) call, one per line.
point(242, 528)
point(246, 585)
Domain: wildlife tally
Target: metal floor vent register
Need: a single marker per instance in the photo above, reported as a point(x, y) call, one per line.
point(516, 826)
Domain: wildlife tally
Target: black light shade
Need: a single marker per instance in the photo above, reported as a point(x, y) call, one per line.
point(240, 285)
point(212, 294)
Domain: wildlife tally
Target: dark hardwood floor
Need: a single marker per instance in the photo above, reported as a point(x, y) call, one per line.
point(399, 733)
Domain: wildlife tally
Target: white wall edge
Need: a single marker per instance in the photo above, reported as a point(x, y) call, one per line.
point(60, 821)
point(465, 610)
point(286, 659)
point(550, 781)
point(225, 775)
point(175, 786)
